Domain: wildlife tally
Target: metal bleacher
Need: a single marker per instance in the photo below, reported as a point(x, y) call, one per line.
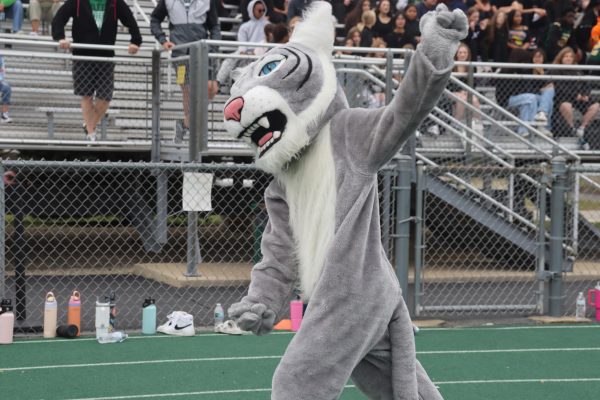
point(46, 114)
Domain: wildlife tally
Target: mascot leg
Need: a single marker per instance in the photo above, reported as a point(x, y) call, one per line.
point(322, 355)
point(390, 371)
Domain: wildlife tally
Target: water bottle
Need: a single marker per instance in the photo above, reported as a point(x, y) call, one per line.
point(74, 311)
point(50, 316)
point(594, 300)
point(580, 306)
point(7, 322)
point(113, 311)
point(112, 337)
point(149, 317)
point(102, 318)
point(67, 331)
point(219, 315)
point(296, 308)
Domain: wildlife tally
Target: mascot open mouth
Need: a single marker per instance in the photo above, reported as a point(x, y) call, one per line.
point(266, 130)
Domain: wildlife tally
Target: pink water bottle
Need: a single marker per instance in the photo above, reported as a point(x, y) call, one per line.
point(296, 307)
point(595, 293)
point(7, 322)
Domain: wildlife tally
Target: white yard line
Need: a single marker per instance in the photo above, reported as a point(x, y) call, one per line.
point(513, 328)
point(207, 392)
point(441, 383)
point(215, 359)
point(538, 380)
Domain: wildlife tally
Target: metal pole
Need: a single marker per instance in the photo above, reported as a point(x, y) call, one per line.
point(155, 155)
point(419, 220)
point(203, 98)
point(541, 239)
point(389, 72)
point(403, 222)
point(387, 212)
point(198, 100)
point(194, 103)
point(198, 116)
point(557, 228)
point(2, 232)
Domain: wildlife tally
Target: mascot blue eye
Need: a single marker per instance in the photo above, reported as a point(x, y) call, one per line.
point(269, 67)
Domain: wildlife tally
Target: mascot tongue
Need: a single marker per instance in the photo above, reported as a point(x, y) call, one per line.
point(265, 138)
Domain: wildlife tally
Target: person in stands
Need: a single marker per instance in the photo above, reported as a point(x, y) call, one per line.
point(94, 22)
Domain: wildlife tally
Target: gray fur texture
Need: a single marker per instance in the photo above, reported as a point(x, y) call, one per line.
point(323, 211)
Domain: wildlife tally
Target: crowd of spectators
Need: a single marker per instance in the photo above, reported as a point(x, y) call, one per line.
point(558, 31)
point(520, 31)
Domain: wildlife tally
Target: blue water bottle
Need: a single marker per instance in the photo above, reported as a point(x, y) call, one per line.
point(149, 317)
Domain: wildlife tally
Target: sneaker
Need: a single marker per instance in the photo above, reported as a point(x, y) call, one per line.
point(545, 131)
point(434, 130)
point(477, 126)
point(5, 118)
point(580, 131)
point(34, 33)
point(179, 323)
point(541, 117)
point(583, 144)
point(180, 132)
point(91, 137)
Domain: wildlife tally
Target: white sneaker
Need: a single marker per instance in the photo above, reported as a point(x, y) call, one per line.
point(34, 33)
point(434, 130)
point(580, 131)
point(545, 131)
point(541, 117)
point(5, 118)
point(179, 323)
point(478, 126)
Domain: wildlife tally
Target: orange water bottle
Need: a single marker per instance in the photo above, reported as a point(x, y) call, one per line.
point(74, 311)
point(50, 316)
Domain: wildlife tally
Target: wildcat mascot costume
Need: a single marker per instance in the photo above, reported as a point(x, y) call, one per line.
point(323, 228)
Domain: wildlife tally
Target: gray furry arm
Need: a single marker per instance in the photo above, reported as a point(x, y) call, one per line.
point(373, 137)
point(273, 279)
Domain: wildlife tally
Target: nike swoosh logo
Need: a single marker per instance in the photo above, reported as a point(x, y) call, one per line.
point(178, 328)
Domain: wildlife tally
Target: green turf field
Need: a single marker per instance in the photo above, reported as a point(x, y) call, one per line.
point(533, 363)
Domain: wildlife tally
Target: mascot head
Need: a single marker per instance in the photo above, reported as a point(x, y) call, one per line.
point(280, 102)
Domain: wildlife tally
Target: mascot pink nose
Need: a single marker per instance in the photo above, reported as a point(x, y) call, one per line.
point(233, 109)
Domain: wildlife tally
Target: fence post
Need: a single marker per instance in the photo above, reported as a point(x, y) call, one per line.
point(419, 220)
point(155, 155)
point(410, 145)
point(198, 99)
point(402, 236)
point(386, 218)
point(557, 227)
point(389, 71)
point(542, 295)
point(2, 233)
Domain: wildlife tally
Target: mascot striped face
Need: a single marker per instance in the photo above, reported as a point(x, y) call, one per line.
point(279, 103)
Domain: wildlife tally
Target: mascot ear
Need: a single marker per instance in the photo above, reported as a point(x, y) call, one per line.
point(316, 30)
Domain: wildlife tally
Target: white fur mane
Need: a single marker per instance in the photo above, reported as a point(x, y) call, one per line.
point(311, 195)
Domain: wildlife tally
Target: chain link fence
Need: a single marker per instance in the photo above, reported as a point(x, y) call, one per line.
point(127, 228)
point(480, 240)
point(487, 242)
point(582, 234)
